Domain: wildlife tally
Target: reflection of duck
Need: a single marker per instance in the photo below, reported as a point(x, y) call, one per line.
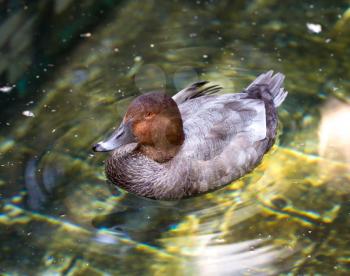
point(140, 218)
point(194, 142)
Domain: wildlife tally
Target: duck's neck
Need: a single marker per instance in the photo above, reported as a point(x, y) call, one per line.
point(160, 154)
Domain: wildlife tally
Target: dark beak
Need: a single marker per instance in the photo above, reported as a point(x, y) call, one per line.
point(122, 136)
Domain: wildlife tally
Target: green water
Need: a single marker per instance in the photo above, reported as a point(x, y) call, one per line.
point(60, 217)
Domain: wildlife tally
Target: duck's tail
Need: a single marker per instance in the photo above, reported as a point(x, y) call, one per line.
point(268, 86)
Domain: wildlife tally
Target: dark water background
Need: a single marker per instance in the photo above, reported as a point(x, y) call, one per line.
point(67, 74)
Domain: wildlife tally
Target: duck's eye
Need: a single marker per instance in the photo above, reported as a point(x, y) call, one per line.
point(149, 115)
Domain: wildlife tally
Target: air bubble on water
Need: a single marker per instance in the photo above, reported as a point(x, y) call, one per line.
point(85, 35)
point(315, 28)
point(28, 113)
point(6, 89)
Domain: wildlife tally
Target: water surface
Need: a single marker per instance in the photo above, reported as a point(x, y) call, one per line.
point(290, 215)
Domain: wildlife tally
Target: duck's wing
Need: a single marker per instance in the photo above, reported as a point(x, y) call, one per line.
point(195, 90)
point(211, 123)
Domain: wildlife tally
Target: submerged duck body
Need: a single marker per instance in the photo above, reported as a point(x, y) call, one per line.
point(194, 142)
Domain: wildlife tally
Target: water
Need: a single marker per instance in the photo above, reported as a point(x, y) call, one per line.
point(291, 215)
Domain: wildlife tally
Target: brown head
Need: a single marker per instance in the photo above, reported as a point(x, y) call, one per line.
point(153, 120)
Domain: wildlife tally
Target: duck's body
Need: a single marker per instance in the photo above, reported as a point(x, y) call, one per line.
point(225, 137)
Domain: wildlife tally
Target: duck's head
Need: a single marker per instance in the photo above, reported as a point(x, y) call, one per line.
point(152, 121)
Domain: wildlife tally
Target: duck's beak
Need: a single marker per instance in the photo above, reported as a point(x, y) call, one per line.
point(122, 136)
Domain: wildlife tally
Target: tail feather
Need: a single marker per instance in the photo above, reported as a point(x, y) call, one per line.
point(274, 83)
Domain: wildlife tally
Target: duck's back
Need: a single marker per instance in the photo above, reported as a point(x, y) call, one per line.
point(212, 122)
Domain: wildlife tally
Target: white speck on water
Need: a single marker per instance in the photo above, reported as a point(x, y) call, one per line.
point(116, 50)
point(193, 35)
point(205, 56)
point(6, 89)
point(151, 45)
point(76, 135)
point(53, 110)
point(315, 28)
point(328, 40)
point(137, 59)
point(85, 35)
point(53, 131)
point(28, 113)
point(106, 238)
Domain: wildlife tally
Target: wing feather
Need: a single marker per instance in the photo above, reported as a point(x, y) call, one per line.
point(195, 90)
point(217, 120)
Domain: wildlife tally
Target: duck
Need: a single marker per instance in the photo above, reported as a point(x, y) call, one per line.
point(197, 141)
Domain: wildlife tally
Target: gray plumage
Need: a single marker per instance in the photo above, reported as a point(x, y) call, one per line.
point(226, 137)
